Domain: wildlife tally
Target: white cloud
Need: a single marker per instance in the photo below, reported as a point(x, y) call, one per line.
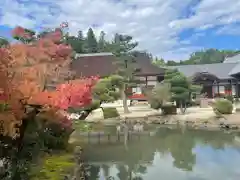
point(155, 23)
point(229, 30)
point(209, 13)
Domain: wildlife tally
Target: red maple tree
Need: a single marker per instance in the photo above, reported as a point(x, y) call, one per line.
point(29, 71)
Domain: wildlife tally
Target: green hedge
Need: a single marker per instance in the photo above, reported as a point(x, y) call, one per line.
point(110, 112)
point(223, 106)
point(155, 104)
point(169, 109)
point(229, 97)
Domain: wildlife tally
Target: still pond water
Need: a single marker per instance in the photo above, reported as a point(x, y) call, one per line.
point(172, 154)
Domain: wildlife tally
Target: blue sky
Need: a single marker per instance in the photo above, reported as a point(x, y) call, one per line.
point(166, 28)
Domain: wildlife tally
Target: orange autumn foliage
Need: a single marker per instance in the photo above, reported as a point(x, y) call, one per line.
point(28, 70)
point(74, 93)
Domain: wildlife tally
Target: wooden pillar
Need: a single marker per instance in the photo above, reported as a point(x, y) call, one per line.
point(146, 80)
point(213, 89)
point(230, 87)
point(237, 90)
point(218, 89)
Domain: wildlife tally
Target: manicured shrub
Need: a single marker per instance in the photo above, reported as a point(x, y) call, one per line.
point(110, 112)
point(154, 103)
point(223, 106)
point(229, 97)
point(94, 105)
point(169, 109)
point(159, 95)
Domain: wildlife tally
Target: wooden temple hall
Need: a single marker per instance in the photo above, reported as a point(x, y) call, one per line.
point(103, 65)
point(217, 79)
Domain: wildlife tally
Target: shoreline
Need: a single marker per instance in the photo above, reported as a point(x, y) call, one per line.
point(194, 117)
point(210, 123)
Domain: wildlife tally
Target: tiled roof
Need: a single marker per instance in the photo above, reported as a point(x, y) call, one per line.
point(233, 59)
point(97, 65)
point(220, 70)
point(104, 64)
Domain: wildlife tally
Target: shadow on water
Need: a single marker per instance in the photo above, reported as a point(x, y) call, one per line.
point(170, 154)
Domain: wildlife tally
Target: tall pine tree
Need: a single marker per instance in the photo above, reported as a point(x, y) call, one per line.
point(102, 42)
point(77, 43)
point(91, 42)
point(122, 48)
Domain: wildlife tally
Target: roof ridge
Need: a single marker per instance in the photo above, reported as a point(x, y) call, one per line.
point(203, 64)
point(93, 54)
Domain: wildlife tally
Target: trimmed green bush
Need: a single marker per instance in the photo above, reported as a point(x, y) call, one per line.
point(223, 106)
point(94, 105)
point(159, 95)
point(169, 109)
point(110, 112)
point(155, 104)
point(229, 97)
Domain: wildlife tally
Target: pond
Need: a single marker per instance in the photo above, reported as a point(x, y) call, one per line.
point(168, 155)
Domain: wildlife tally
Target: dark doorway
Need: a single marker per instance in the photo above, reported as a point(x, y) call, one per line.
point(207, 89)
point(206, 80)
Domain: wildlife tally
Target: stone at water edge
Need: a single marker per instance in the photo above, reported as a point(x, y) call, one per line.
point(95, 115)
point(74, 116)
point(73, 138)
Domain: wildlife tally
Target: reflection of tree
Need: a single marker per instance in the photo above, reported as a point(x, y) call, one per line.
point(122, 172)
point(130, 172)
point(105, 169)
point(93, 172)
point(217, 139)
point(133, 163)
point(180, 147)
point(180, 144)
point(137, 178)
point(141, 169)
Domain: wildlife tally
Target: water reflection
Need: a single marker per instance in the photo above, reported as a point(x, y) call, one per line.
point(171, 154)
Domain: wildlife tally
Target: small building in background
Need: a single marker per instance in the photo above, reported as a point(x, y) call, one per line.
point(217, 79)
point(104, 64)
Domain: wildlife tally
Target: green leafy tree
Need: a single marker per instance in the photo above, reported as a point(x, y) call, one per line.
point(159, 62)
point(208, 56)
point(159, 95)
point(180, 87)
point(91, 42)
point(102, 42)
point(195, 90)
point(77, 43)
point(106, 90)
point(122, 48)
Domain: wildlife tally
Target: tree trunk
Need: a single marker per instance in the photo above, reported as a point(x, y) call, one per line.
point(124, 99)
point(19, 144)
point(183, 107)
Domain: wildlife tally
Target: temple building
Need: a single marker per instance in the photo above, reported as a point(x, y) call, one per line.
point(217, 79)
point(104, 64)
